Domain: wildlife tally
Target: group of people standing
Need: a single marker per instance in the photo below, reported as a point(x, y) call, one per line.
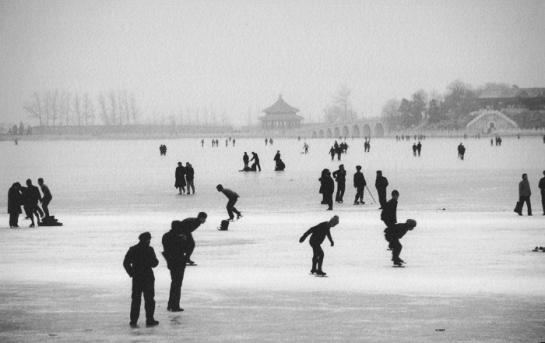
point(525, 192)
point(338, 149)
point(417, 149)
point(185, 177)
point(29, 198)
point(256, 166)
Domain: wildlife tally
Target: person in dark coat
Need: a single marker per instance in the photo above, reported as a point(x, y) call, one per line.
point(245, 160)
point(180, 178)
point(541, 186)
point(190, 177)
point(279, 164)
point(318, 234)
point(340, 176)
point(419, 148)
point(381, 183)
point(359, 184)
point(332, 153)
point(524, 195)
point(327, 187)
point(15, 200)
point(46, 198)
point(393, 234)
point(461, 151)
point(233, 197)
point(175, 247)
point(389, 210)
point(189, 225)
point(138, 262)
point(31, 196)
point(256, 165)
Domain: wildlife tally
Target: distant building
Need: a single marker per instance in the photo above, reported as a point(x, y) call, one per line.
point(498, 98)
point(280, 116)
point(488, 122)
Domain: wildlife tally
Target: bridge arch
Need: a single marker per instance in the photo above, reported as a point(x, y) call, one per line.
point(379, 130)
point(346, 131)
point(356, 131)
point(329, 133)
point(314, 134)
point(366, 130)
point(321, 133)
point(337, 132)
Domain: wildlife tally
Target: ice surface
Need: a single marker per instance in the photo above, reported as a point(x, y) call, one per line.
point(476, 253)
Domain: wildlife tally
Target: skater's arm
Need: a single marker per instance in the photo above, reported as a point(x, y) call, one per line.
point(304, 236)
point(330, 238)
point(154, 261)
point(127, 263)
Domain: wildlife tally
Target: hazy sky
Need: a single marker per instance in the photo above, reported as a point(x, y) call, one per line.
point(239, 55)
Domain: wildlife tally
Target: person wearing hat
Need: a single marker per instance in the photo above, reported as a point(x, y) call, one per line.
point(359, 184)
point(138, 262)
point(381, 183)
point(389, 210)
point(318, 234)
point(340, 176)
point(189, 225)
point(393, 234)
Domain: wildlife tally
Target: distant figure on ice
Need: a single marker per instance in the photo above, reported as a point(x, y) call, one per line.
point(318, 234)
point(542, 188)
point(367, 145)
point(332, 152)
point(340, 176)
point(47, 197)
point(187, 226)
point(162, 150)
point(381, 183)
point(414, 149)
point(138, 262)
point(245, 160)
point(461, 151)
point(393, 234)
point(179, 174)
point(419, 148)
point(31, 196)
point(233, 197)
point(491, 142)
point(175, 248)
point(202, 143)
point(190, 177)
point(256, 165)
point(327, 187)
point(270, 141)
point(359, 184)
point(234, 140)
point(305, 148)
point(279, 164)
point(524, 196)
point(266, 141)
point(15, 200)
point(389, 210)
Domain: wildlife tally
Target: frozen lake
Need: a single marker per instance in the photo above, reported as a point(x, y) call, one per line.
point(470, 269)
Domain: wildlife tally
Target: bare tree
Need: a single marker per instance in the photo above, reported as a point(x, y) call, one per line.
point(104, 109)
point(113, 109)
point(77, 109)
point(34, 108)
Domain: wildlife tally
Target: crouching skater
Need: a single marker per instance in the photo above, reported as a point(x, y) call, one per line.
point(317, 235)
point(393, 234)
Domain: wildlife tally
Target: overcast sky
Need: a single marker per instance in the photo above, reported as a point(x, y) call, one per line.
point(239, 55)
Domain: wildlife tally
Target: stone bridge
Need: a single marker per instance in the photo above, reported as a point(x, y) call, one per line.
point(357, 128)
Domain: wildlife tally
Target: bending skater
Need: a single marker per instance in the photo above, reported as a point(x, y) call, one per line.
point(393, 234)
point(47, 197)
point(256, 165)
point(318, 234)
point(233, 197)
point(189, 225)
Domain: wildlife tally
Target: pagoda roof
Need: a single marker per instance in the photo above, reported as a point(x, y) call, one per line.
point(281, 117)
point(280, 107)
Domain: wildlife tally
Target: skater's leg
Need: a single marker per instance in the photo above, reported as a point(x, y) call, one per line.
point(396, 250)
point(320, 258)
point(529, 205)
point(149, 301)
point(137, 289)
point(315, 253)
point(340, 190)
point(45, 206)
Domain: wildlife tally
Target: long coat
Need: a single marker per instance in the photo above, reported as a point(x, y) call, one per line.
point(14, 200)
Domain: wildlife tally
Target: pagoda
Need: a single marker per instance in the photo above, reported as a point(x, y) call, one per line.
point(280, 116)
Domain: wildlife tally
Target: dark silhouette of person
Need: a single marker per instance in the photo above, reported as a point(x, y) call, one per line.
point(180, 178)
point(202, 143)
point(381, 183)
point(175, 247)
point(327, 186)
point(266, 141)
point(31, 196)
point(318, 234)
point(256, 165)
point(305, 148)
point(46, 198)
point(414, 149)
point(189, 225)
point(279, 164)
point(359, 184)
point(322, 184)
point(419, 148)
point(277, 157)
point(393, 234)
point(541, 186)
point(190, 177)
point(232, 199)
point(524, 195)
point(246, 160)
point(15, 200)
point(138, 262)
point(340, 177)
point(389, 210)
point(332, 153)
point(270, 141)
point(461, 151)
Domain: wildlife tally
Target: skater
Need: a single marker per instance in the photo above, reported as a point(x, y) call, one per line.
point(419, 148)
point(31, 196)
point(381, 183)
point(175, 253)
point(461, 151)
point(327, 187)
point(202, 143)
point(190, 177)
point(359, 184)
point(414, 149)
point(305, 148)
point(317, 235)
point(332, 153)
point(233, 197)
point(340, 177)
point(393, 234)
point(187, 226)
point(256, 165)
point(279, 164)
point(180, 178)
point(46, 198)
point(524, 195)
point(234, 140)
point(542, 188)
point(389, 210)
point(138, 262)
point(245, 160)
point(14, 204)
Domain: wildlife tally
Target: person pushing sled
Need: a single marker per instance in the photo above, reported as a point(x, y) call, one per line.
point(317, 235)
point(393, 234)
